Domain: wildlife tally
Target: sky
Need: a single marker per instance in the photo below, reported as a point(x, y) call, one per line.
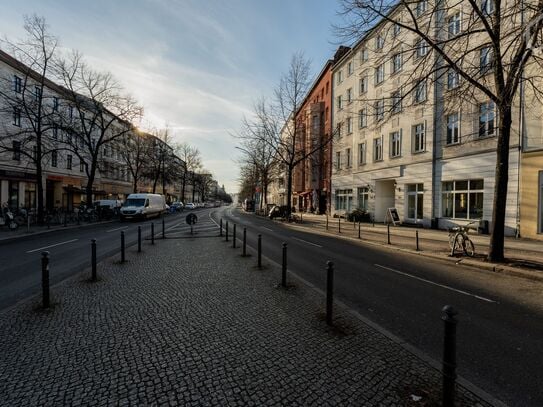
point(196, 66)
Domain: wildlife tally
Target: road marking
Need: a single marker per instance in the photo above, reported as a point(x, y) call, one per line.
point(437, 284)
point(53, 245)
point(305, 241)
point(114, 230)
point(264, 227)
point(173, 227)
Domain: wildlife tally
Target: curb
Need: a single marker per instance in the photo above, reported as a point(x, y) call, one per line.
point(481, 265)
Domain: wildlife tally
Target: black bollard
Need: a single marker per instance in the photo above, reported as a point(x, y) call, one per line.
point(163, 229)
point(449, 355)
point(152, 233)
point(122, 247)
point(388, 233)
point(234, 237)
point(259, 251)
point(139, 239)
point(226, 231)
point(244, 252)
point(329, 291)
point(220, 228)
point(326, 221)
point(373, 220)
point(301, 217)
point(284, 266)
point(65, 219)
point(359, 230)
point(339, 225)
point(93, 260)
point(417, 237)
point(45, 279)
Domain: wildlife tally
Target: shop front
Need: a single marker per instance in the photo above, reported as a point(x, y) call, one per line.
point(18, 189)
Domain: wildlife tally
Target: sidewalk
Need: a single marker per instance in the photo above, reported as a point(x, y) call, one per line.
point(523, 256)
point(177, 326)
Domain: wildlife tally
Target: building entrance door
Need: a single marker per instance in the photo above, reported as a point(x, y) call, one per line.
point(384, 198)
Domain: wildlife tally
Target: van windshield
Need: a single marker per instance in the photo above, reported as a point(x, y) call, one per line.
point(135, 202)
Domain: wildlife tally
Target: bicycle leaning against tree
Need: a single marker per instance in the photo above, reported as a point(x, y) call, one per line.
point(459, 239)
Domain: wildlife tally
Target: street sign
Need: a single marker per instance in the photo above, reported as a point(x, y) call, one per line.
point(191, 219)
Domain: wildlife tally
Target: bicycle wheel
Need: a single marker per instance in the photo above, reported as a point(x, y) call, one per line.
point(452, 238)
point(469, 247)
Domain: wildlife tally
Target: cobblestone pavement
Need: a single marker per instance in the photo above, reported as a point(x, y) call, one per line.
point(191, 322)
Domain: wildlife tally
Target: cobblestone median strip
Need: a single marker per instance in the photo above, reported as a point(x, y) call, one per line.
point(192, 323)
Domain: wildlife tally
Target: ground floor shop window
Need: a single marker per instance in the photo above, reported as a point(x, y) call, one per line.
point(344, 199)
point(462, 199)
point(13, 194)
point(363, 196)
point(30, 195)
point(415, 201)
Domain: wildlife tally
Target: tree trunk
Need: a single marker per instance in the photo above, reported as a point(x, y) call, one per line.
point(39, 190)
point(135, 186)
point(496, 248)
point(289, 191)
point(183, 185)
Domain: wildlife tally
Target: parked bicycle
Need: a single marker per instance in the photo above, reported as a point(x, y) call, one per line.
point(459, 239)
point(7, 218)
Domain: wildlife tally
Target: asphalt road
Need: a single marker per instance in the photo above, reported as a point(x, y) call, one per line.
point(500, 329)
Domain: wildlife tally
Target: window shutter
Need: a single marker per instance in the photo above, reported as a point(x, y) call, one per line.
point(400, 149)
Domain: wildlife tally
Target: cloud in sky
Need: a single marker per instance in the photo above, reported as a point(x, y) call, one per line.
point(195, 65)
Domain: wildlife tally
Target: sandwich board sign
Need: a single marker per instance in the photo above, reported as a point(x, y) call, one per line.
point(392, 214)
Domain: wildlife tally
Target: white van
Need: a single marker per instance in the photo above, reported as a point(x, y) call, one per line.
point(142, 206)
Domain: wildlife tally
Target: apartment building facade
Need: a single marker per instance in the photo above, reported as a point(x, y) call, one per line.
point(411, 137)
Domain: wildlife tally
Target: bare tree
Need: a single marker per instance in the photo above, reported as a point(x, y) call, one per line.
point(191, 162)
point(97, 115)
point(491, 53)
point(135, 148)
point(29, 101)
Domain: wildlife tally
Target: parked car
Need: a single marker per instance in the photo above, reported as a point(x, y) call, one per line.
point(177, 206)
point(143, 206)
point(190, 205)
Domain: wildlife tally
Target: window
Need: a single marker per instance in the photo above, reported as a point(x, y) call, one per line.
point(362, 153)
point(81, 166)
point(363, 85)
point(348, 158)
point(419, 139)
point(379, 74)
point(363, 197)
point(486, 119)
point(55, 104)
point(34, 152)
point(454, 25)
point(55, 132)
point(17, 84)
point(54, 158)
point(421, 48)
point(349, 125)
point(363, 55)
point(349, 95)
point(487, 7)
point(344, 199)
point(37, 93)
point(339, 129)
point(396, 102)
point(421, 7)
point(462, 199)
point(420, 91)
point(339, 102)
point(338, 160)
point(379, 42)
point(17, 116)
point(396, 29)
point(69, 162)
point(362, 118)
point(378, 149)
point(453, 128)
point(453, 79)
point(339, 77)
point(379, 107)
point(71, 112)
point(415, 201)
point(350, 68)
point(396, 62)
point(485, 59)
point(17, 150)
point(395, 144)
